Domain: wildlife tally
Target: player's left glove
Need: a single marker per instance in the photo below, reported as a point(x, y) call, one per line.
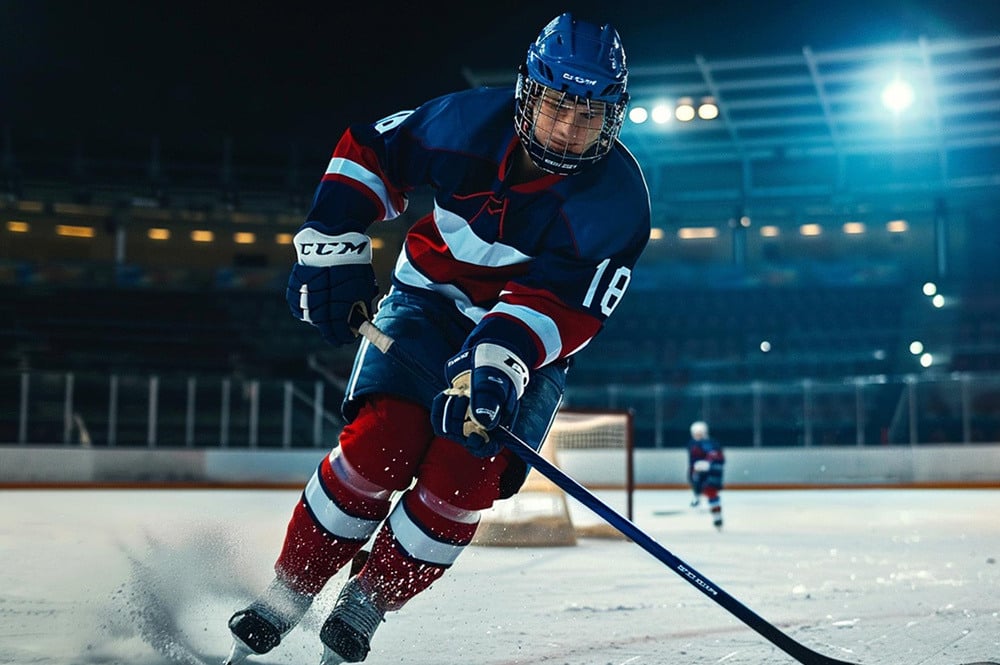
point(486, 382)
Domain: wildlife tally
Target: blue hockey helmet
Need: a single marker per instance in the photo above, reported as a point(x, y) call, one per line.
point(574, 63)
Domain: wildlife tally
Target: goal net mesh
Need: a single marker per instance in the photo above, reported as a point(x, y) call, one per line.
point(540, 515)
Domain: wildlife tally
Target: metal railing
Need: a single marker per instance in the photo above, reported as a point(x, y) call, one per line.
point(200, 411)
point(856, 411)
point(182, 411)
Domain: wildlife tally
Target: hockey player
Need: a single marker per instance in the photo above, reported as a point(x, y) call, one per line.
point(539, 216)
point(705, 466)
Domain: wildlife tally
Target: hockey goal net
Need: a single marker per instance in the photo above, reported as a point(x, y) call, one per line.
point(597, 444)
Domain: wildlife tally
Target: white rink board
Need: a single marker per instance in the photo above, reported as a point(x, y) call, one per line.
point(880, 577)
point(946, 464)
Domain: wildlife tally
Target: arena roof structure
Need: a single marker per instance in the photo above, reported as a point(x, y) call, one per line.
point(818, 133)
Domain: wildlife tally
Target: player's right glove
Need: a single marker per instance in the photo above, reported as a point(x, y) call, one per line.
point(486, 382)
point(332, 277)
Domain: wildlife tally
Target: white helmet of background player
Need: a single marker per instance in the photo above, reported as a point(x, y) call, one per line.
point(571, 95)
point(699, 430)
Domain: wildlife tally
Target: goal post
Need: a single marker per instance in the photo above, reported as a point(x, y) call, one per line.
point(598, 443)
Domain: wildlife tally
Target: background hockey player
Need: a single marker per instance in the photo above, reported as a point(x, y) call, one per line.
point(539, 216)
point(706, 462)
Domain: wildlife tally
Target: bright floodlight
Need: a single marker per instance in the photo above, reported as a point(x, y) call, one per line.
point(708, 110)
point(897, 96)
point(938, 301)
point(926, 360)
point(916, 347)
point(685, 110)
point(930, 288)
point(661, 114)
point(638, 115)
point(765, 346)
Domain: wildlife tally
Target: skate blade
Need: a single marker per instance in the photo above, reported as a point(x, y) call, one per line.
point(331, 657)
point(238, 654)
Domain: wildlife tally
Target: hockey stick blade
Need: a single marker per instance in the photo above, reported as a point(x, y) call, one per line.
point(519, 447)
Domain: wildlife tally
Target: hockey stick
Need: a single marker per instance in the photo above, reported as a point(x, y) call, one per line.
point(519, 447)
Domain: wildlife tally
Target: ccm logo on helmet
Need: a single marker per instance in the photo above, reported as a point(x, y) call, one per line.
point(578, 79)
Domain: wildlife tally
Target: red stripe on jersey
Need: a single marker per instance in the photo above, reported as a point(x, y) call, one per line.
point(350, 149)
point(428, 252)
point(576, 326)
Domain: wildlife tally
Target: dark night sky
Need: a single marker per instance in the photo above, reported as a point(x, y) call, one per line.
point(271, 74)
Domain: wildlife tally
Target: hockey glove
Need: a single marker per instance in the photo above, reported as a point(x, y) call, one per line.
point(486, 383)
point(332, 278)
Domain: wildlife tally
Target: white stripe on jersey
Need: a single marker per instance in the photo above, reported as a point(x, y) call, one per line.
point(332, 518)
point(418, 544)
point(408, 274)
point(358, 173)
point(467, 247)
point(540, 324)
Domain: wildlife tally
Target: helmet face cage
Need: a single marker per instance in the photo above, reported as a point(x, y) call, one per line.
point(562, 132)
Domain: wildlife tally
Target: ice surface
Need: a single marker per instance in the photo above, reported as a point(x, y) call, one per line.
point(872, 576)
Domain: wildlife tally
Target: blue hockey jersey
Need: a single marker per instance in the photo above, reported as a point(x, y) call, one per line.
point(538, 265)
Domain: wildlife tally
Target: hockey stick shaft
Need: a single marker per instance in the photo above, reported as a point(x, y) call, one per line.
point(519, 447)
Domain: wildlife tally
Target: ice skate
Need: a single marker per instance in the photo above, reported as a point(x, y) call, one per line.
point(348, 631)
point(260, 627)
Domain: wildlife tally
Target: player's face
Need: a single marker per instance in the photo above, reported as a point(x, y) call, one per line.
point(564, 124)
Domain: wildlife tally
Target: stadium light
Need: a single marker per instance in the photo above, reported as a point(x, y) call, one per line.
point(661, 114)
point(697, 233)
point(930, 288)
point(685, 110)
point(708, 110)
point(916, 347)
point(926, 360)
point(938, 301)
point(898, 95)
point(638, 115)
point(74, 231)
